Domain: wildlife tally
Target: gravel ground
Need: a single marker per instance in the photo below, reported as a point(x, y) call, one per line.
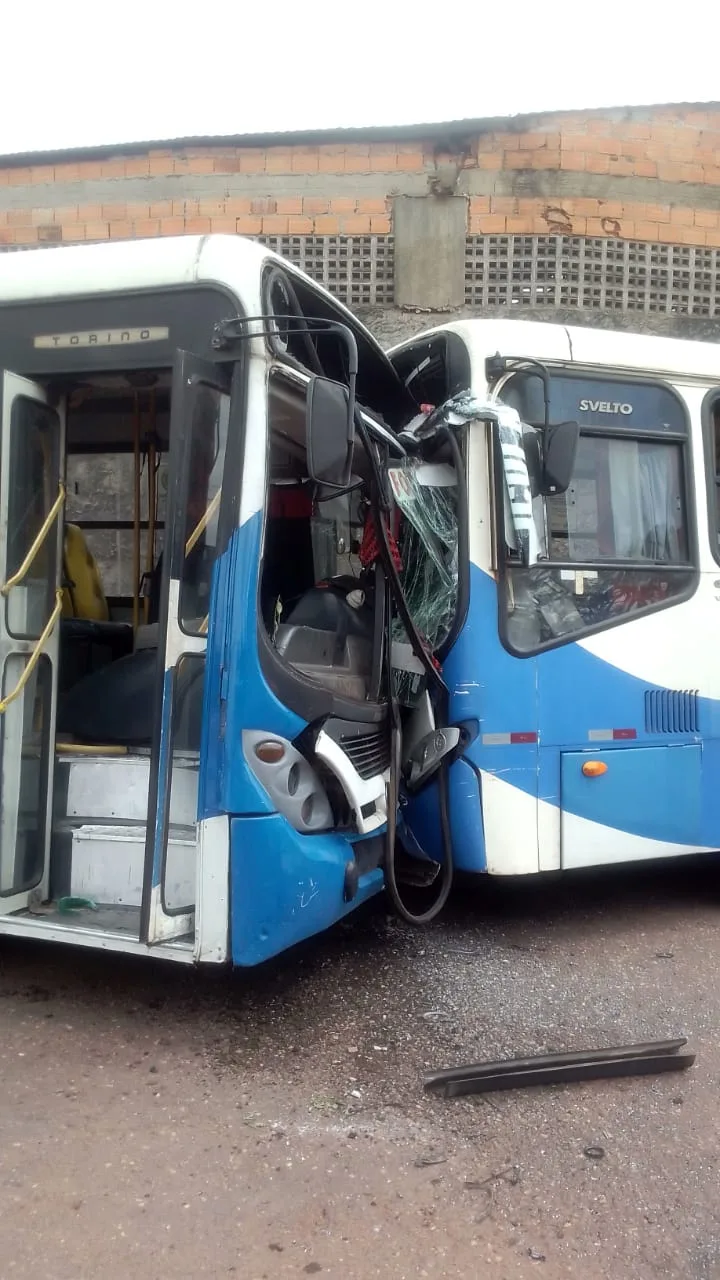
point(273, 1124)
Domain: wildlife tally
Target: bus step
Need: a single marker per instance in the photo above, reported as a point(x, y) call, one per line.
point(107, 865)
point(114, 790)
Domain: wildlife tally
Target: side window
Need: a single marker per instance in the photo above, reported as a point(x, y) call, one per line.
point(202, 504)
point(33, 466)
point(98, 486)
point(713, 465)
point(614, 544)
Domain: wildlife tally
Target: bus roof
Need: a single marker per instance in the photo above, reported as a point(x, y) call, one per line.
point(39, 275)
point(609, 348)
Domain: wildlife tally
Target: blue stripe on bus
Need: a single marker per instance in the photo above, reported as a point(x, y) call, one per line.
point(565, 693)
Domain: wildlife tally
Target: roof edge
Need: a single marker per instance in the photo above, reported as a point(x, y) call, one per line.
point(448, 131)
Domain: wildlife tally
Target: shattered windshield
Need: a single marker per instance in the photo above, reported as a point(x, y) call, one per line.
point(426, 495)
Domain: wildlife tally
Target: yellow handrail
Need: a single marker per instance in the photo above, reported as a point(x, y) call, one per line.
point(35, 655)
point(203, 523)
point(42, 535)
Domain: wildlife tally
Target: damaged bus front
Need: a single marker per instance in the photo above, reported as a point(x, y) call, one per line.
point(574, 593)
point(196, 606)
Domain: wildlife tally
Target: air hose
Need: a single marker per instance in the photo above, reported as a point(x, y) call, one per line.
point(439, 697)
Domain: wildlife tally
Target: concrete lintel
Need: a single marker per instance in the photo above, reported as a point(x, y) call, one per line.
point(430, 236)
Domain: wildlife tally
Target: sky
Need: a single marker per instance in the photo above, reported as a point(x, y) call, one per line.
point(82, 74)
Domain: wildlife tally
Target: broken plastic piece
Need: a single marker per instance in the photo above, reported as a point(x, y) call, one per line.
point(561, 1068)
point(68, 904)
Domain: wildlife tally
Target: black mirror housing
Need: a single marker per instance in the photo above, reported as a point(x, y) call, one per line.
point(329, 433)
point(559, 451)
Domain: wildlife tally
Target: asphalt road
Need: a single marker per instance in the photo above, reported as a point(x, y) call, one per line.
point(166, 1123)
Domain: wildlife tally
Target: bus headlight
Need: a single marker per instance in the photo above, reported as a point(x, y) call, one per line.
point(290, 782)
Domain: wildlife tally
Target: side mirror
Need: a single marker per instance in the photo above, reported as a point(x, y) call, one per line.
point(559, 451)
point(329, 433)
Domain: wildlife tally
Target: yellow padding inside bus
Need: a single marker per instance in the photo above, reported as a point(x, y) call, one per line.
point(84, 596)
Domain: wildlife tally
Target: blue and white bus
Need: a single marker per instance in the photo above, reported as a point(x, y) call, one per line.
point(194, 720)
point(579, 647)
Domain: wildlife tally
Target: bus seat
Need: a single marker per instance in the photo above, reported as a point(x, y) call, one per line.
point(88, 639)
point(83, 596)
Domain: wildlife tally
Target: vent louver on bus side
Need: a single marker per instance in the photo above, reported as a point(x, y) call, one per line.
point(671, 711)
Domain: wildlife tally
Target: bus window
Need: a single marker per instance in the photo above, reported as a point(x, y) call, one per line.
point(204, 485)
point(618, 539)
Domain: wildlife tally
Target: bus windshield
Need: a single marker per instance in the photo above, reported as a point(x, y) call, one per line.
point(617, 540)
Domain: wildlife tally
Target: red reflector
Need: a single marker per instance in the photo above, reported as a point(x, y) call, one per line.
point(624, 733)
point(523, 737)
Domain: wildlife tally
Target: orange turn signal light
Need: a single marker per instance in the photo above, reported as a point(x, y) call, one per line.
point(270, 751)
point(594, 768)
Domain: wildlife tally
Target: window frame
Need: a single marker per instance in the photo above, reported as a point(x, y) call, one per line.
point(683, 439)
point(712, 475)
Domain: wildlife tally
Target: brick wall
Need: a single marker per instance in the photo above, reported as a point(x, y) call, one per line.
point(649, 176)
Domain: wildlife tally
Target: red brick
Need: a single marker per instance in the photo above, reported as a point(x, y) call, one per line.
point(706, 218)
point(381, 161)
point(161, 209)
point(575, 161)
point(19, 217)
point(248, 225)
point(145, 227)
point(489, 160)
point(647, 231)
point(42, 217)
point(304, 160)
point(488, 224)
point(503, 204)
point(42, 173)
point(224, 226)
point(25, 235)
point(121, 230)
point(237, 204)
point(354, 224)
point(331, 160)
point(138, 167)
point(546, 159)
point(289, 204)
point(89, 212)
point(200, 164)
point(159, 166)
point(410, 161)
point(371, 206)
point(18, 177)
point(299, 226)
point(197, 226)
point(353, 163)
point(97, 230)
point(252, 161)
point(114, 212)
point(380, 224)
point(327, 225)
point(275, 224)
point(681, 216)
point(278, 160)
point(172, 226)
point(211, 208)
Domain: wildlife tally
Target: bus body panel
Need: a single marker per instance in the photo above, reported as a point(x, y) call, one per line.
point(641, 696)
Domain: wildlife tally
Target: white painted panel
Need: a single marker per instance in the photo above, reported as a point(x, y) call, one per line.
point(590, 844)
